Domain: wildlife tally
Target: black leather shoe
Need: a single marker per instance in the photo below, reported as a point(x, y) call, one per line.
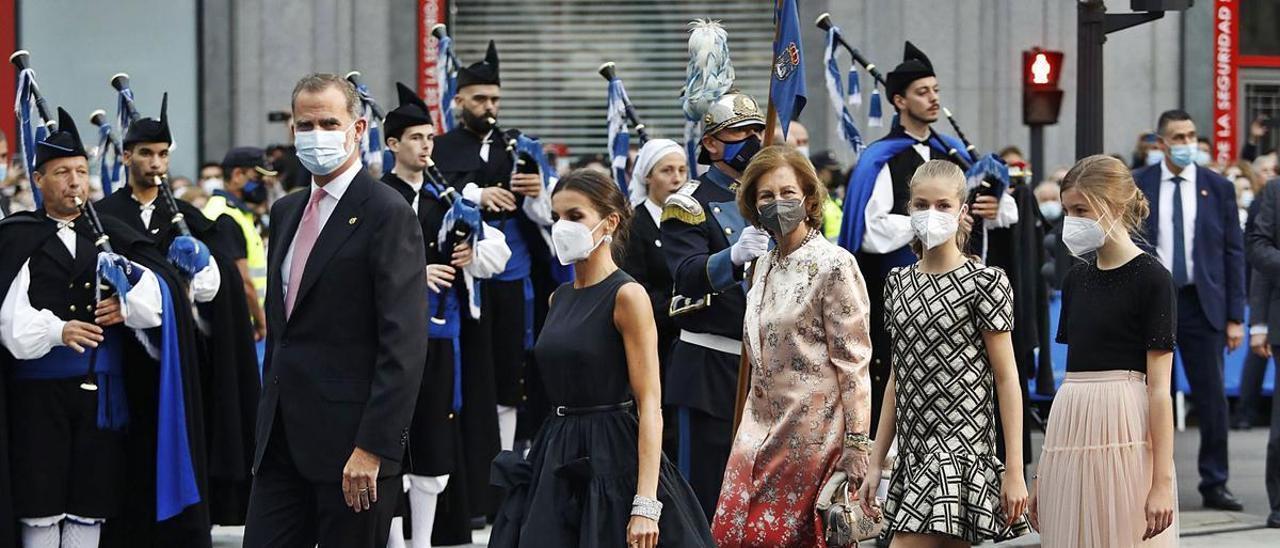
point(1273, 521)
point(477, 523)
point(1220, 498)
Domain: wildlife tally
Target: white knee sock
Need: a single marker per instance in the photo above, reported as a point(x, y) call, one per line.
point(396, 540)
point(43, 535)
point(423, 494)
point(81, 532)
point(507, 427)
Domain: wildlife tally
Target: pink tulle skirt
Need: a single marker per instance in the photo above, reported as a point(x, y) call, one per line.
point(1096, 465)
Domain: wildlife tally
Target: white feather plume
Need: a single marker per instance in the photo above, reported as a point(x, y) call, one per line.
point(710, 73)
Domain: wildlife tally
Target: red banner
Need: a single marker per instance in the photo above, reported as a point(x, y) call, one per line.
point(8, 75)
point(1226, 49)
point(430, 13)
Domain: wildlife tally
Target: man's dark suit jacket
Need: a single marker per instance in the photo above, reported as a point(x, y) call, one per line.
point(1218, 248)
point(344, 370)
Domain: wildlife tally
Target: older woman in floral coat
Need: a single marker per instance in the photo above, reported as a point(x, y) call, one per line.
point(807, 412)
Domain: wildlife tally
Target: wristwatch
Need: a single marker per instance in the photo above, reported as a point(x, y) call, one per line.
point(858, 441)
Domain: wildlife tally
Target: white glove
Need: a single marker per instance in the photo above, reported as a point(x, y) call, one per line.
point(752, 243)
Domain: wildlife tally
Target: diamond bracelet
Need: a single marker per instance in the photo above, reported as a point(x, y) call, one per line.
point(646, 507)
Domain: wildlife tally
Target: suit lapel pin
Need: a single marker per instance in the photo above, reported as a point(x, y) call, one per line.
point(1204, 192)
point(351, 221)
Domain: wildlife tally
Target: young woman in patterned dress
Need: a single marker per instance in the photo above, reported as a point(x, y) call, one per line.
point(949, 318)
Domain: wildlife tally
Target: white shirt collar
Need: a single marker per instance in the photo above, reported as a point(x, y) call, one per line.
point(338, 186)
point(654, 209)
point(1188, 173)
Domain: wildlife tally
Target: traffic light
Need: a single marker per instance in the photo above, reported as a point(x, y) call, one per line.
point(1041, 97)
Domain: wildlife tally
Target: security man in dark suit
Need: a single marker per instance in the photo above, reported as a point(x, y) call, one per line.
point(707, 245)
point(1195, 228)
point(346, 298)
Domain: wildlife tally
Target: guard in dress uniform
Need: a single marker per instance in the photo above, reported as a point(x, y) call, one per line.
point(478, 159)
point(707, 245)
point(229, 363)
point(435, 450)
point(84, 393)
point(877, 225)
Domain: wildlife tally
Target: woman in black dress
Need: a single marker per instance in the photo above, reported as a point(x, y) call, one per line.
point(595, 475)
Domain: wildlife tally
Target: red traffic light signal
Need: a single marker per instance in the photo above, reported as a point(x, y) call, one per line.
point(1041, 98)
point(1041, 68)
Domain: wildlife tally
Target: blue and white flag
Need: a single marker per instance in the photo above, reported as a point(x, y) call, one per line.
point(619, 139)
point(24, 106)
point(787, 91)
point(447, 80)
point(835, 92)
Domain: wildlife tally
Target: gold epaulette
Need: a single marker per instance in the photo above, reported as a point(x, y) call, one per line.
point(683, 207)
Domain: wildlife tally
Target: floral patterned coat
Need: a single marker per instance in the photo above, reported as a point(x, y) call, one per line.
point(807, 336)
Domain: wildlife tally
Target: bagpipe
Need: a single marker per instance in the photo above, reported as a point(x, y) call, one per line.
point(620, 113)
point(372, 147)
point(462, 225)
point(112, 268)
point(186, 253)
point(29, 98)
point(447, 65)
point(987, 175)
point(110, 173)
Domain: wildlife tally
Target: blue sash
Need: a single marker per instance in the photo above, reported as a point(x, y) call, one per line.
point(64, 363)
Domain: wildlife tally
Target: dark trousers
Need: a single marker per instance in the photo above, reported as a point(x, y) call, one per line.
point(1255, 367)
point(705, 442)
point(1201, 347)
point(287, 510)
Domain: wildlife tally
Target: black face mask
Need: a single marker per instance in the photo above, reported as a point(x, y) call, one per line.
point(737, 154)
point(478, 124)
point(254, 192)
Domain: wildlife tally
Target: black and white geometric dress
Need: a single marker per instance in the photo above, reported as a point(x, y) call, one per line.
point(947, 478)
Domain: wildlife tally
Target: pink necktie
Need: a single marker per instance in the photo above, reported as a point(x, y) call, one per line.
point(303, 241)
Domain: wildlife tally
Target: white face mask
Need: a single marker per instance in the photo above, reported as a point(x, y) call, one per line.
point(934, 227)
point(1082, 235)
point(574, 241)
point(803, 149)
point(321, 151)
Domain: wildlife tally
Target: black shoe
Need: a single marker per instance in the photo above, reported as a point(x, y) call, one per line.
point(1241, 424)
point(1273, 521)
point(477, 523)
point(1220, 498)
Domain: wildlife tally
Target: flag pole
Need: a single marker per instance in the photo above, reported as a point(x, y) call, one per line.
point(770, 125)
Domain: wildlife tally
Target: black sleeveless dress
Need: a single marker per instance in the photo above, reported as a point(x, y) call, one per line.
point(576, 486)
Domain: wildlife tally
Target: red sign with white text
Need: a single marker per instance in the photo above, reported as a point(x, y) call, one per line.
point(1225, 45)
point(430, 13)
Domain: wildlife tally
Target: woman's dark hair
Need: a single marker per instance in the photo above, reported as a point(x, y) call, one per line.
point(607, 199)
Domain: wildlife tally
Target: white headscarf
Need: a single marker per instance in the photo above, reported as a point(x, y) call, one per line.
point(649, 155)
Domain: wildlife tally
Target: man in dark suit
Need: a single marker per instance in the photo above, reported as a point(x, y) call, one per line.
point(1263, 246)
point(1195, 228)
point(346, 302)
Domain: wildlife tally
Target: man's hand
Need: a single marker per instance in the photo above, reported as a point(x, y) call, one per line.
point(497, 198)
point(439, 276)
point(259, 331)
point(529, 184)
point(80, 335)
point(463, 255)
point(360, 480)
point(1235, 335)
point(107, 312)
point(986, 207)
point(1258, 129)
point(1258, 343)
